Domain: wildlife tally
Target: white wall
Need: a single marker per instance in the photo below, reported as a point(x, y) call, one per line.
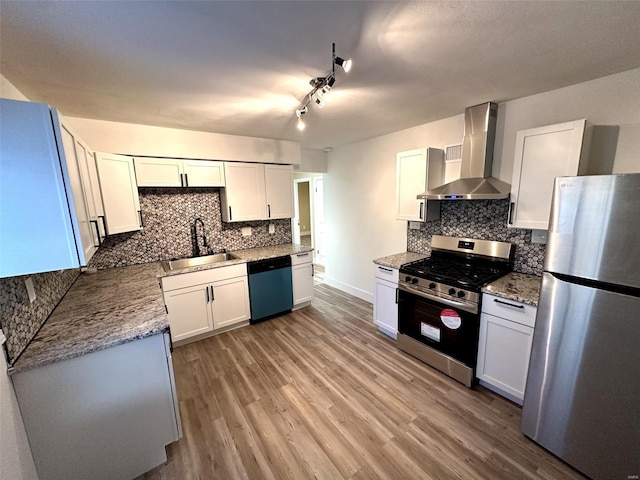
point(312, 161)
point(360, 183)
point(16, 462)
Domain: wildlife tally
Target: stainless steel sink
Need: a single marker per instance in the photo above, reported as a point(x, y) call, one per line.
point(196, 261)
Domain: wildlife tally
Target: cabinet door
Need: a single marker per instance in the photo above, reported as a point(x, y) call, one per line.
point(503, 354)
point(189, 311)
point(93, 197)
point(230, 302)
point(279, 191)
point(243, 197)
point(302, 277)
point(87, 237)
point(33, 201)
point(158, 172)
point(119, 193)
point(385, 307)
point(542, 154)
point(203, 173)
point(97, 193)
point(411, 180)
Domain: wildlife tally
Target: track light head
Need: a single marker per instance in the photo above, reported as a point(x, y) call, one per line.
point(319, 102)
point(345, 64)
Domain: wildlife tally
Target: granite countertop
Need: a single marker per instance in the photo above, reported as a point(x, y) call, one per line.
point(516, 286)
point(244, 256)
point(100, 310)
point(399, 259)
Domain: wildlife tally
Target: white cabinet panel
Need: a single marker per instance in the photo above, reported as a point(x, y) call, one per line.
point(203, 173)
point(279, 191)
point(189, 311)
point(243, 197)
point(541, 155)
point(302, 279)
point(417, 171)
point(158, 172)
point(119, 193)
point(385, 296)
point(230, 302)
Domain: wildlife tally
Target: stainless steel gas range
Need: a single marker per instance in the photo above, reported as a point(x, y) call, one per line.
point(439, 302)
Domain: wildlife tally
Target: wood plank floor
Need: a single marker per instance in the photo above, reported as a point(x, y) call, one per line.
point(318, 393)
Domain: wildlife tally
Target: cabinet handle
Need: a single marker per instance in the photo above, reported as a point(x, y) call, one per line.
point(182, 179)
point(269, 211)
point(302, 254)
point(207, 290)
point(212, 297)
point(141, 219)
point(421, 208)
point(511, 207)
point(104, 224)
point(230, 217)
point(509, 304)
point(313, 270)
point(186, 179)
point(95, 222)
point(397, 295)
point(386, 269)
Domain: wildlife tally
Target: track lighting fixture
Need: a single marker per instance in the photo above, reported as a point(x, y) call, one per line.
point(321, 86)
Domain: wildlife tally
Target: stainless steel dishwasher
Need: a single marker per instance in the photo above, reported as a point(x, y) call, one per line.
point(270, 287)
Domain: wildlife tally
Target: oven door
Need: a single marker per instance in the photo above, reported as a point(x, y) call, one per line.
point(445, 325)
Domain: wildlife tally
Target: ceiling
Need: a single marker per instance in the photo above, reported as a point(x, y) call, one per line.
point(243, 67)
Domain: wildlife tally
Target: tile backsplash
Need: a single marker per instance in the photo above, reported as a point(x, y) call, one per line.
point(484, 220)
point(20, 319)
point(168, 217)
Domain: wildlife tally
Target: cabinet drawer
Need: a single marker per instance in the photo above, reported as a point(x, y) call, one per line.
point(203, 276)
point(509, 309)
point(386, 273)
point(300, 258)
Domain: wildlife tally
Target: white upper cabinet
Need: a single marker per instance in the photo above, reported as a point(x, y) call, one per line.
point(37, 212)
point(541, 155)
point(255, 191)
point(169, 172)
point(278, 180)
point(119, 193)
point(417, 171)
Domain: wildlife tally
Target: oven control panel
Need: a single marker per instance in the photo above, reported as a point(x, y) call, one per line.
point(440, 289)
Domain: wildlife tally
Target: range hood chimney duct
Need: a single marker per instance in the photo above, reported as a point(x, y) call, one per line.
point(475, 182)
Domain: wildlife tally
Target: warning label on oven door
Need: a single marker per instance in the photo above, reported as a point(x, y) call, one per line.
point(429, 331)
point(450, 318)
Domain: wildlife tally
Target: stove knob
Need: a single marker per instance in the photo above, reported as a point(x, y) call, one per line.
point(432, 286)
point(460, 293)
point(414, 280)
point(452, 291)
point(407, 278)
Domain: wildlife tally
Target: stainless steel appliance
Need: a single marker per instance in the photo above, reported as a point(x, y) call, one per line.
point(439, 302)
point(582, 400)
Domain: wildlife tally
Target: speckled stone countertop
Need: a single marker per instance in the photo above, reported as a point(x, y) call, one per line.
point(100, 310)
point(516, 286)
point(399, 259)
point(244, 256)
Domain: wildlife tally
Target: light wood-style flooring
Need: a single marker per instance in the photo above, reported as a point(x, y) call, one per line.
point(318, 393)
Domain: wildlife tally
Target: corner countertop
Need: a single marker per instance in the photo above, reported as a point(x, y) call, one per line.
point(244, 256)
point(100, 310)
point(399, 259)
point(519, 287)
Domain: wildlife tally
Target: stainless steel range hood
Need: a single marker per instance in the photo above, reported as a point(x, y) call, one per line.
point(475, 182)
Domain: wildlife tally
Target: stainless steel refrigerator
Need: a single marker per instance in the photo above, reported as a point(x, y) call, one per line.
point(582, 400)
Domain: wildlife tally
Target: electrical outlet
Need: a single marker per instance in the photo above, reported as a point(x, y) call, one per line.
point(272, 228)
point(414, 225)
point(31, 291)
point(539, 236)
point(246, 231)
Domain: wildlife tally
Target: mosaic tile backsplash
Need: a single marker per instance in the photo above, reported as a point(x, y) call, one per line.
point(169, 214)
point(20, 319)
point(484, 220)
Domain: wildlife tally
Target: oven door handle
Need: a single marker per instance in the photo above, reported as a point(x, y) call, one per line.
point(462, 306)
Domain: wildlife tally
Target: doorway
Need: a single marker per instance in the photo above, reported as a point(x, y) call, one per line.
point(301, 224)
point(308, 224)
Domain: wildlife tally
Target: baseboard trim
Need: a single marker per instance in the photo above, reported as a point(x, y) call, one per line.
point(356, 292)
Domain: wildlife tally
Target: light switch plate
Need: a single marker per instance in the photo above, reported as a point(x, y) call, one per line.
point(31, 291)
point(539, 236)
point(414, 225)
point(246, 231)
point(272, 228)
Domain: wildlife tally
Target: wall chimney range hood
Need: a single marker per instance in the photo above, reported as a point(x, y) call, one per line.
point(475, 182)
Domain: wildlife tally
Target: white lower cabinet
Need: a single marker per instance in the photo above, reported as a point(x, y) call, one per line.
point(385, 300)
point(302, 279)
point(506, 334)
point(205, 302)
point(107, 414)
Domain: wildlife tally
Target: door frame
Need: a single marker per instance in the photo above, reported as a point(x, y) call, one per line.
point(295, 221)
